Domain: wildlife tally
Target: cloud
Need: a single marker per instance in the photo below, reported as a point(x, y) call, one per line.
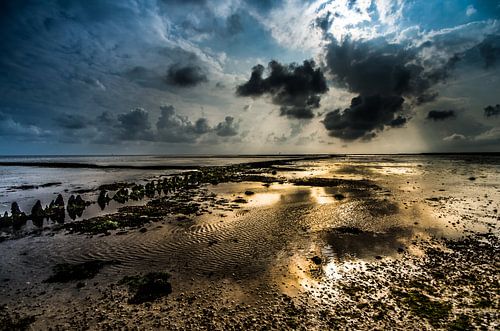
point(407, 68)
point(186, 75)
point(490, 111)
point(146, 77)
point(492, 135)
point(134, 125)
point(295, 88)
point(12, 128)
point(440, 115)
point(489, 49)
point(72, 121)
point(376, 66)
point(455, 137)
point(470, 10)
point(365, 117)
point(184, 69)
point(228, 128)
point(234, 24)
point(398, 122)
point(174, 128)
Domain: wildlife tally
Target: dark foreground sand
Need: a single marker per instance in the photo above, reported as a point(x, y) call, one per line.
point(341, 243)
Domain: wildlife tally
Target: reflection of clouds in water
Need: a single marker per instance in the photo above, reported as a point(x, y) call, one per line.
point(263, 199)
point(365, 245)
point(296, 196)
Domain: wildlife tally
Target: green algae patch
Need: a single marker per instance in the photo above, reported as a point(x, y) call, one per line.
point(461, 323)
point(436, 312)
point(148, 287)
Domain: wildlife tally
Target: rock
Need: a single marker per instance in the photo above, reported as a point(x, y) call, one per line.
point(240, 200)
point(339, 196)
point(14, 209)
point(37, 214)
point(5, 221)
point(55, 210)
point(137, 192)
point(149, 287)
point(121, 196)
point(248, 192)
point(59, 203)
point(317, 260)
point(103, 199)
point(18, 217)
point(76, 206)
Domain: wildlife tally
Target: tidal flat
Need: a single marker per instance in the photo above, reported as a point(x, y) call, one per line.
point(302, 243)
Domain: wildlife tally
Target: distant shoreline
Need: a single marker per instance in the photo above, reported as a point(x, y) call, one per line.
point(278, 159)
point(78, 165)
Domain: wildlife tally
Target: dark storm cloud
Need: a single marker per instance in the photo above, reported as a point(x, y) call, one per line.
point(186, 75)
point(228, 128)
point(296, 88)
point(490, 111)
point(440, 115)
point(489, 50)
point(134, 125)
point(375, 66)
point(398, 122)
point(384, 75)
point(184, 69)
point(364, 117)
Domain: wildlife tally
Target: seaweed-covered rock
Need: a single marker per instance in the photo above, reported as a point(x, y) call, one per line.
point(121, 196)
point(5, 221)
point(14, 209)
point(37, 213)
point(37, 210)
point(150, 189)
point(18, 217)
point(149, 287)
point(59, 203)
point(76, 206)
point(103, 199)
point(137, 192)
point(55, 210)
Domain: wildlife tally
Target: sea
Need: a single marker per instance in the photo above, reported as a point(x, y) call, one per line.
point(31, 178)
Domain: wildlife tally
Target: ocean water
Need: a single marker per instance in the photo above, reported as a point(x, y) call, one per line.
point(68, 180)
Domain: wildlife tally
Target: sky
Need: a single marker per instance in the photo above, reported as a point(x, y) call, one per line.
point(249, 77)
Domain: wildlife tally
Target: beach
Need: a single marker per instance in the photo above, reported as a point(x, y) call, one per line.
point(290, 242)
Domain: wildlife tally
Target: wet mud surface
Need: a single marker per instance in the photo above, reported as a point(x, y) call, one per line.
point(365, 242)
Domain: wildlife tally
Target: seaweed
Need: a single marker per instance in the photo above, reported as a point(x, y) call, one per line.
point(66, 272)
point(148, 287)
point(436, 312)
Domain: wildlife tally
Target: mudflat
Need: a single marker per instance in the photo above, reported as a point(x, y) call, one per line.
point(350, 242)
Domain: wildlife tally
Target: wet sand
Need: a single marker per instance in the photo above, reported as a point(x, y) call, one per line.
point(354, 242)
